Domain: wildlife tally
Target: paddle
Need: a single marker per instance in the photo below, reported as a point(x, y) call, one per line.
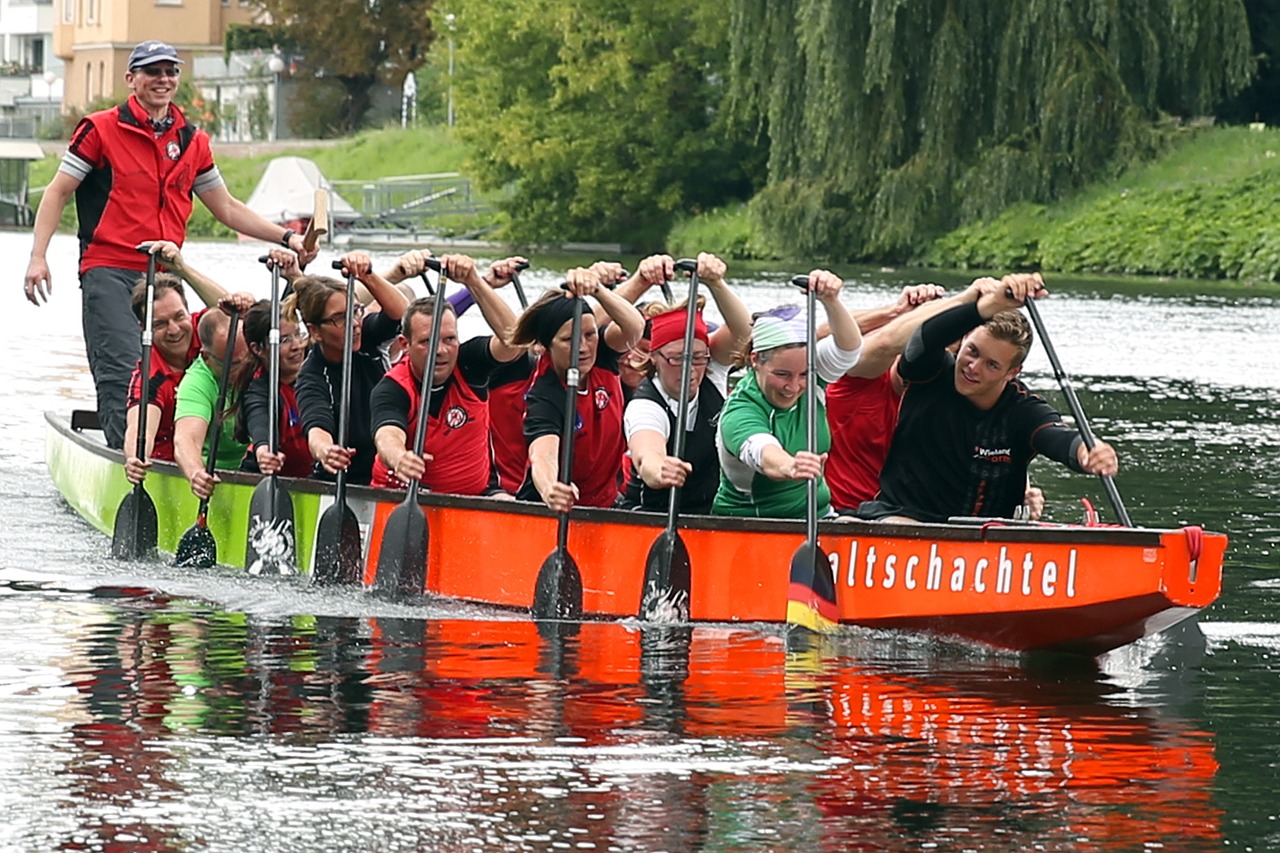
point(269, 547)
point(134, 532)
point(319, 224)
point(402, 559)
point(557, 593)
point(197, 549)
point(515, 282)
point(665, 596)
point(338, 545)
point(1077, 411)
point(811, 594)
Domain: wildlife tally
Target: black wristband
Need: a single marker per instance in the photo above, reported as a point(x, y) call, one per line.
point(284, 239)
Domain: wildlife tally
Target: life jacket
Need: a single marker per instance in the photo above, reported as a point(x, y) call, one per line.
point(141, 188)
point(458, 438)
point(699, 449)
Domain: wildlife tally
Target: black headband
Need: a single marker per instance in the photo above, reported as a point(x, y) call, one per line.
point(553, 315)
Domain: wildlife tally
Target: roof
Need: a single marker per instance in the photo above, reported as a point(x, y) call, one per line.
point(287, 191)
point(20, 149)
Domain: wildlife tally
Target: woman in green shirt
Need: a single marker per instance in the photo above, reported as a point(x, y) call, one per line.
point(761, 440)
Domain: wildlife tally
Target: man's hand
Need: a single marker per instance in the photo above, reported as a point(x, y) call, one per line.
point(410, 466)
point(240, 301)
point(561, 496)
point(915, 295)
point(287, 261)
point(37, 284)
point(202, 484)
point(135, 470)
point(411, 263)
point(1102, 460)
point(502, 272)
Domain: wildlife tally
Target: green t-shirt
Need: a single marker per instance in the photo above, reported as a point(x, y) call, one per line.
point(744, 491)
point(197, 395)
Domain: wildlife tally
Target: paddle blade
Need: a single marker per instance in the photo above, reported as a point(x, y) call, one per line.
point(197, 549)
point(666, 580)
point(557, 594)
point(811, 596)
point(270, 546)
point(134, 534)
point(402, 559)
point(338, 547)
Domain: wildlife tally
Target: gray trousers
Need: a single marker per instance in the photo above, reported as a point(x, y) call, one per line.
point(112, 342)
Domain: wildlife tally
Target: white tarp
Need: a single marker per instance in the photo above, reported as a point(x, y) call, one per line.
point(287, 191)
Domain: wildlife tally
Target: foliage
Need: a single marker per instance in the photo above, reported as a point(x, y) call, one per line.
point(730, 232)
point(607, 119)
point(892, 121)
point(253, 37)
point(379, 42)
point(1210, 210)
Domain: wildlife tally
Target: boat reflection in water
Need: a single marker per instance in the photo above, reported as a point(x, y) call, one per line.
point(460, 734)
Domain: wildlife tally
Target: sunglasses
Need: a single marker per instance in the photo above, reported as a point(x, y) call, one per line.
point(156, 70)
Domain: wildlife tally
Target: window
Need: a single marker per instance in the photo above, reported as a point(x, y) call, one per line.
point(68, 11)
point(91, 11)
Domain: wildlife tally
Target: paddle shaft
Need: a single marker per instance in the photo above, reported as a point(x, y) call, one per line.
point(571, 380)
point(811, 413)
point(1077, 411)
point(145, 376)
point(686, 374)
point(344, 393)
point(273, 364)
point(515, 282)
point(428, 379)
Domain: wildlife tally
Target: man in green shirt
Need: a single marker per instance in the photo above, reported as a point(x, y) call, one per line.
point(194, 410)
point(761, 440)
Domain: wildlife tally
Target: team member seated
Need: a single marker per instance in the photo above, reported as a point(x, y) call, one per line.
point(323, 304)
point(175, 345)
point(650, 417)
point(456, 458)
point(967, 428)
point(598, 443)
point(762, 435)
point(196, 407)
point(251, 387)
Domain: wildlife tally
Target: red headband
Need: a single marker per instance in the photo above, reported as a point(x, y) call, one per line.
point(669, 326)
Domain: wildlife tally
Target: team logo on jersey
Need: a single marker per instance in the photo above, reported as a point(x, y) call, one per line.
point(455, 418)
point(601, 399)
point(172, 150)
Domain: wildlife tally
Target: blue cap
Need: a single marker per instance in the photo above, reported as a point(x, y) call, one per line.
point(149, 52)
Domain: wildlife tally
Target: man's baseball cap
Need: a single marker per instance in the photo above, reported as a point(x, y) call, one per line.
point(149, 52)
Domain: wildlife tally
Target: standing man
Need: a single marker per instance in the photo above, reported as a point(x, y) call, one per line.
point(134, 170)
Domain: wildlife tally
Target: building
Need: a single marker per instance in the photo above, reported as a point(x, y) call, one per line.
point(93, 38)
point(30, 75)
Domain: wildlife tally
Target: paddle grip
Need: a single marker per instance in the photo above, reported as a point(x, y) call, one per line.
point(521, 266)
point(144, 248)
point(686, 265)
point(800, 281)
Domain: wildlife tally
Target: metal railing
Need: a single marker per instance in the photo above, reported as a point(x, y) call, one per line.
point(410, 201)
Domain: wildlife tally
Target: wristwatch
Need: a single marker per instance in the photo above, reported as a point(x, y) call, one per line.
point(288, 234)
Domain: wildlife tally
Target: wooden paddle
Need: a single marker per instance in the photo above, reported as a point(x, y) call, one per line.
point(665, 596)
point(269, 547)
point(338, 546)
point(1077, 411)
point(811, 598)
point(134, 532)
point(197, 549)
point(319, 224)
point(557, 593)
point(402, 559)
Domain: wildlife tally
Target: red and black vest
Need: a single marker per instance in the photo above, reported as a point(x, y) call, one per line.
point(141, 188)
point(457, 439)
point(699, 449)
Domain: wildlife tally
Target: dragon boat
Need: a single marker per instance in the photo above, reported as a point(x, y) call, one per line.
point(1025, 587)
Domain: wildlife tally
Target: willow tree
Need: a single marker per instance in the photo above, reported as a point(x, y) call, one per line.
point(602, 117)
point(892, 120)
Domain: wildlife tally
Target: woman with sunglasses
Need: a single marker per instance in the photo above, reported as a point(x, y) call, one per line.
point(251, 390)
point(322, 302)
point(650, 418)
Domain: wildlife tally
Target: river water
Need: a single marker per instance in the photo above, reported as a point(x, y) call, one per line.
point(146, 709)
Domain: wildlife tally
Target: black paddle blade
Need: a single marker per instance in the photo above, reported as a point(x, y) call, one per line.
point(666, 580)
point(270, 547)
point(558, 591)
point(338, 547)
point(402, 560)
point(811, 597)
point(197, 549)
point(134, 534)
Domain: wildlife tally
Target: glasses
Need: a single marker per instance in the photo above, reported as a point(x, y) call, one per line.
point(298, 337)
point(701, 359)
point(156, 71)
point(340, 319)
